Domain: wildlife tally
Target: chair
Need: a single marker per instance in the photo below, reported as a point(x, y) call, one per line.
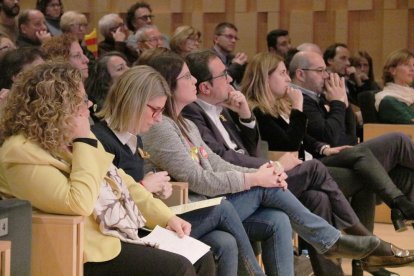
point(15, 224)
point(179, 194)
point(5, 247)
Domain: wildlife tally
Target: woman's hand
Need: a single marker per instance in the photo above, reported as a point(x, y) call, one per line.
point(267, 176)
point(81, 126)
point(295, 97)
point(158, 183)
point(336, 150)
point(179, 226)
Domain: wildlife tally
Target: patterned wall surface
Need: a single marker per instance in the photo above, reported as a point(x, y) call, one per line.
point(377, 26)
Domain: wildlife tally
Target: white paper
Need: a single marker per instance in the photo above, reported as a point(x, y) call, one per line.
point(187, 246)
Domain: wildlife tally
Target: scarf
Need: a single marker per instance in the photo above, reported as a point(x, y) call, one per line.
point(403, 94)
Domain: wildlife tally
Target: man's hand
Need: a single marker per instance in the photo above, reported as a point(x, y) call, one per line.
point(335, 89)
point(237, 102)
point(43, 36)
point(240, 58)
point(119, 35)
point(289, 161)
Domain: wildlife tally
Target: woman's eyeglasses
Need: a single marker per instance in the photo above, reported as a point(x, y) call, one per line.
point(156, 110)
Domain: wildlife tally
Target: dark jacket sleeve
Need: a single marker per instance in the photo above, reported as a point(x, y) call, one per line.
point(336, 127)
point(212, 137)
point(393, 111)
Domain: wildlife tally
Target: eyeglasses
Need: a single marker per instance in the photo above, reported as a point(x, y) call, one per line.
point(224, 74)
point(113, 29)
point(156, 110)
point(146, 17)
point(186, 76)
point(79, 25)
point(229, 36)
point(155, 39)
point(319, 70)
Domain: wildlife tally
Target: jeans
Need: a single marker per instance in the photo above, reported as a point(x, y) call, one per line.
point(310, 227)
point(205, 223)
point(272, 228)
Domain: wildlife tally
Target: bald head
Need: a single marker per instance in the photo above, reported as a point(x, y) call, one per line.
point(309, 47)
point(308, 70)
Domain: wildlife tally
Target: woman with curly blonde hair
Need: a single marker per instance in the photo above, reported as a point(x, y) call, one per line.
point(49, 157)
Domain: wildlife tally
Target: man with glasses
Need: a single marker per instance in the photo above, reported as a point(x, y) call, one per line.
point(225, 38)
point(9, 9)
point(113, 29)
point(148, 37)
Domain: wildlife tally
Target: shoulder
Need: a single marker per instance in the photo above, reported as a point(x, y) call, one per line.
point(18, 149)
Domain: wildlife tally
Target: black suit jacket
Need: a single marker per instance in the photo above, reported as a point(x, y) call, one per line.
point(245, 137)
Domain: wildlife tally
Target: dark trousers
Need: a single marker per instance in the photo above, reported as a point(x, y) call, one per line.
point(141, 260)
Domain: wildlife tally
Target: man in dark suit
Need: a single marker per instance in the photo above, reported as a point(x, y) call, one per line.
point(225, 38)
point(228, 127)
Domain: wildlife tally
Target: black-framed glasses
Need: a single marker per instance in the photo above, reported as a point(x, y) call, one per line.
point(319, 70)
point(156, 110)
point(186, 76)
point(224, 74)
point(146, 17)
point(229, 36)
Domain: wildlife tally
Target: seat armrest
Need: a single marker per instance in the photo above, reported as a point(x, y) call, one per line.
point(5, 248)
point(375, 130)
point(179, 194)
point(275, 155)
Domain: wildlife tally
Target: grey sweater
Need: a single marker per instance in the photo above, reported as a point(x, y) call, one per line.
point(169, 151)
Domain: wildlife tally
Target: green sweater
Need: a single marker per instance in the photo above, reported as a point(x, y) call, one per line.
point(392, 111)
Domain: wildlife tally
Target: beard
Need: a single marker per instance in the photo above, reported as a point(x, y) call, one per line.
point(11, 11)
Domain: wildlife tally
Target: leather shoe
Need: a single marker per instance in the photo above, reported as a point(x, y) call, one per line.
point(353, 247)
point(401, 257)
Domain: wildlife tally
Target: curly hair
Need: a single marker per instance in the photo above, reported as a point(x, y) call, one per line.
point(41, 106)
point(58, 47)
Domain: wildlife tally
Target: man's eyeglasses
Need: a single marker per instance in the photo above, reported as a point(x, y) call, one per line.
point(155, 39)
point(186, 76)
point(146, 17)
point(229, 36)
point(156, 110)
point(224, 74)
point(319, 70)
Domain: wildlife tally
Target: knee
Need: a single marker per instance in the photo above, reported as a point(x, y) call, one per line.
point(280, 224)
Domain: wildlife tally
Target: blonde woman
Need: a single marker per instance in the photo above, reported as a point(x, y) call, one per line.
point(185, 40)
point(49, 157)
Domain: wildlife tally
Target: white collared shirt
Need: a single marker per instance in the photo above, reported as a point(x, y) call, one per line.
point(126, 138)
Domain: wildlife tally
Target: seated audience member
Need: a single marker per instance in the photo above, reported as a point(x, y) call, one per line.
point(148, 37)
point(32, 29)
point(49, 157)
point(264, 189)
point(225, 38)
point(9, 10)
point(278, 42)
point(395, 103)
point(16, 60)
point(52, 10)
point(330, 122)
point(105, 71)
point(312, 47)
point(278, 110)
point(363, 79)
point(146, 56)
point(76, 23)
point(144, 95)
point(185, 40)
point(112, 28)
point(67, 47)
point(6, 45)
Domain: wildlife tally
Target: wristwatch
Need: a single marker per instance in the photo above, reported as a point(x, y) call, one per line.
point(248, 120)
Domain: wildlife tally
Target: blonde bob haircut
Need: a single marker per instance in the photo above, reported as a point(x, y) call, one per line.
point(256, 88)
point(129, 95)
point(181, 34)
point(71, 18)
point(42, 104)
point(393, 60)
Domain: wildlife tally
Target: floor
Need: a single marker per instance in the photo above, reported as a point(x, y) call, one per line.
point(404, 240)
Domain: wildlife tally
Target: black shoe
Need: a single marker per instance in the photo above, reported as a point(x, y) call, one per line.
point(353, 247)
point(402, 211)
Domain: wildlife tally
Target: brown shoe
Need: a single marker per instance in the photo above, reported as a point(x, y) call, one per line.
point(401, 257)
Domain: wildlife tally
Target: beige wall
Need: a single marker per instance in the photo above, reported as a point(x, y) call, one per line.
point(377, 26)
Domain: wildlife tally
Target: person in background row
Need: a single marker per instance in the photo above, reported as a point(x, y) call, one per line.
point(395, 103)
point(363, 79)
point(185, 40)
point(52, 10)
point(112, 28)
point(225, 38)
point(9, 10)
point(278, 42)
point(103, 74)
point(32, 29)
point(6, 44)
point(66, 47)
point(49, 157)
point(76, 23)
